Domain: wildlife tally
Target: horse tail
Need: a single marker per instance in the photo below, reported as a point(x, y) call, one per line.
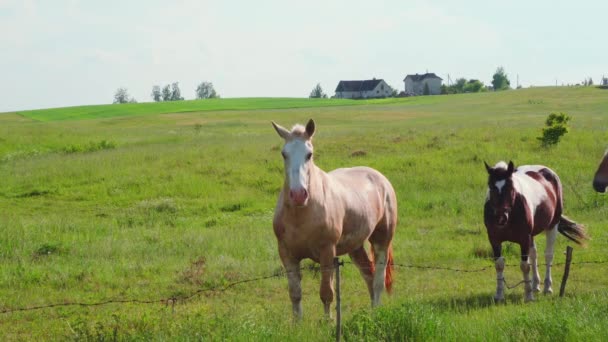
point(388, 275)
point(572, 230)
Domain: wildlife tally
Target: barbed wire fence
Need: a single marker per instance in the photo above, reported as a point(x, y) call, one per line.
point(173, 300)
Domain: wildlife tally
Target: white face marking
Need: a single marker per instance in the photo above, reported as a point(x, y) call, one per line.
point(500, 184)
point(296, 163)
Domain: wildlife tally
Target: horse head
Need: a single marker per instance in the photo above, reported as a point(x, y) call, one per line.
point(501, 192)
point(600, 181)
point(297, 157)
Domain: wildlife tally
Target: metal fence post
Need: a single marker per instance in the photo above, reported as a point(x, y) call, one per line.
point(562, 288)
point(337, 264)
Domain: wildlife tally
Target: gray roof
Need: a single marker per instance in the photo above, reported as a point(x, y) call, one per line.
point(418, 77)
point(364, 85)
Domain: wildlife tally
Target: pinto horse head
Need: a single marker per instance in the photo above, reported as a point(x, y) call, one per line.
point(297, 156)
point(600, 181)
point(501, 193)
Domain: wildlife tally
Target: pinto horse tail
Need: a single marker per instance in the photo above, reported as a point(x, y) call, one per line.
point(572, 230)
point(388, 275)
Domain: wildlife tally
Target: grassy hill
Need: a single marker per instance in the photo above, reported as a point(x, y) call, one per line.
point(240, 104)
point(151, 201)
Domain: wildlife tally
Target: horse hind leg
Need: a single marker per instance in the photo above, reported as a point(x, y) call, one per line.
point(551, 237)
point(381, 254)
point(532, 255)
point(366, 268)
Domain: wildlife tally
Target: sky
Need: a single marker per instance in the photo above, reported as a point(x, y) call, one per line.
point(57, 53)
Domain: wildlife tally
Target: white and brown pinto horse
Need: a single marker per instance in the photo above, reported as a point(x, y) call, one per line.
point(322, 215)
point(600, 181)
point(522, 203)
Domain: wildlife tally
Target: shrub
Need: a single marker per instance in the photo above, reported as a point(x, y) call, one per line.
point(556, 126)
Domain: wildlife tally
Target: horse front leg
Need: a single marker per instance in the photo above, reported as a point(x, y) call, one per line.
point(294, 278)
point(525, 269)
point(551, 236)
point(532, 256)
point(499, 264)
point(326, 292)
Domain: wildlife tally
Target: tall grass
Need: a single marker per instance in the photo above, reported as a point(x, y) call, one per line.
point(160, 205)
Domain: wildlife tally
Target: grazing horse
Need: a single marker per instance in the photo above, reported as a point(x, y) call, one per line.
point(321, 215)
point(600, 181)
point(522, 203)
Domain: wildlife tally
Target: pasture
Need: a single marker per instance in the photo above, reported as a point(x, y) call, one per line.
point(101, 203)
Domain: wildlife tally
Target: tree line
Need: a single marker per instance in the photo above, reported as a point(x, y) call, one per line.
point(169, 92)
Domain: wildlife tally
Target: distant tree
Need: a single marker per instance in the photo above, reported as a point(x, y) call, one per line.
point(458, 87)
point(176, 94)
point(205, 90)
point(394, 92)
point(166, 93)
point(444, 89)
point(157, 95)
point(590, 82)
point(121, 96)
point(604, 81)
point(317, 92)
point(500, 80)
point(473, 86)
point(426, 90)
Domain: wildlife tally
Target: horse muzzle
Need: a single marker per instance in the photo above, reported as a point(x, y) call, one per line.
point(299, 197)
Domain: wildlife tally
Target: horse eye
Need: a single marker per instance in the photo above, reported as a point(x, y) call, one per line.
point(308, 156)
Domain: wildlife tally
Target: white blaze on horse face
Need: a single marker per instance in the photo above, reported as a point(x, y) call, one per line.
point(500, 184)
point(297, 168)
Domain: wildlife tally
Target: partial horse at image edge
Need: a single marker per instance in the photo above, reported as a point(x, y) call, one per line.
point(600, 180)
point(522, 203)
point(322, 215)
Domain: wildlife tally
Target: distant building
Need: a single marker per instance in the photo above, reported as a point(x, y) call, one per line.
point(414, 84)
point(363, 89)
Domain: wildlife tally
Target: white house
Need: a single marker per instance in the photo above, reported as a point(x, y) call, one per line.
point(363, 89)
point(414, 84)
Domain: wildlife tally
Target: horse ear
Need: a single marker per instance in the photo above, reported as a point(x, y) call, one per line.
point(284, 133)
point(510, 168)
point(488, 168)
point(310, 128)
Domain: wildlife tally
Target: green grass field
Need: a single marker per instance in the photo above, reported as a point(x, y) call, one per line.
point(152, 201)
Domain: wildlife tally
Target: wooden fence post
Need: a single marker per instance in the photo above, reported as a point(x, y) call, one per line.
point(562, 288)
point(337, 264)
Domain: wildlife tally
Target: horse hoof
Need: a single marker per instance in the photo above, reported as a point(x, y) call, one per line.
point(548, 291)
point(536, 289)
point(529, 299)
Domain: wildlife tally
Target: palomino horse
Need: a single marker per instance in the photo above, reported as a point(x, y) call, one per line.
point(321, 215)
point(521, 204)
point(600, 181)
